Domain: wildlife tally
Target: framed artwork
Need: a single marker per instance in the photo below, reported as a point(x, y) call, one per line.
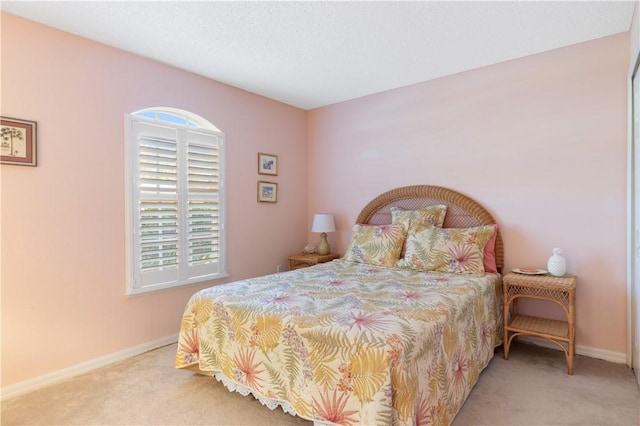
point(267, 192)
point(17, 141)
point(267, 164)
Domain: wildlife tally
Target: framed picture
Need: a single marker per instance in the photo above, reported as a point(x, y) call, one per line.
point(267, 192)
point(17, 141)
point(267, 164)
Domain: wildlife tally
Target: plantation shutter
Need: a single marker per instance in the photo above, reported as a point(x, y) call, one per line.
point(203, 218)
point(158, 204)
point(175, 205)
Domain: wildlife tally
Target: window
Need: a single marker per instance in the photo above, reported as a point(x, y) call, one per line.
point(175, 200)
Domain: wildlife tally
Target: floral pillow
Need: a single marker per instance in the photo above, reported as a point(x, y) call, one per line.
point(411, 220)
point(378, 245)
point(414, 220)
point(455, 250)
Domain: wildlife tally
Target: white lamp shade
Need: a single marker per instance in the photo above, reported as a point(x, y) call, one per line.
point(323, 223)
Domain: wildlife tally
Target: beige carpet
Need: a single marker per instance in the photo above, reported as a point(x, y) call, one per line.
point(531, 388)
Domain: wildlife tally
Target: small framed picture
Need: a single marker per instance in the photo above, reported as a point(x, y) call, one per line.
point(267, 164)
point(267, 192)
point(17, 141)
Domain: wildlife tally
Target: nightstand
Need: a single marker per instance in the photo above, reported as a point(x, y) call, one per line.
point(302, 260)
point(561, 290)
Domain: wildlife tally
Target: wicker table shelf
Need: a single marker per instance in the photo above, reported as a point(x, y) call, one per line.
point(302, 260)
point(560, 290)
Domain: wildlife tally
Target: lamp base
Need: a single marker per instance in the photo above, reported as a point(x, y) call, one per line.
point(323, 248)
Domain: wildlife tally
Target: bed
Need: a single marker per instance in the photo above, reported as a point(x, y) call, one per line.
point(397, 331)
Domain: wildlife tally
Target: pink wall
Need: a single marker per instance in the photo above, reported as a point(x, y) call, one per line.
point(63, 237)
point(540, 141)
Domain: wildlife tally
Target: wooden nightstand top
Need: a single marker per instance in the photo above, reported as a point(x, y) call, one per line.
point(546, 281)
point(313, 258)
point(301, 260)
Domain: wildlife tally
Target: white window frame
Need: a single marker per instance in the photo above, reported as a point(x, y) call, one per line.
point(188, 138)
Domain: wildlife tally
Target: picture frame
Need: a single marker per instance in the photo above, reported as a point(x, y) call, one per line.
point(18, 141)
point(267, 192)
point(267, 164)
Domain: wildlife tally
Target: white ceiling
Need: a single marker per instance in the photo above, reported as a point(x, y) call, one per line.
point(310, 54)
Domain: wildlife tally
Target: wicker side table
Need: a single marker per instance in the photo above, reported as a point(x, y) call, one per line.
point(561, 290)
point(302, 260)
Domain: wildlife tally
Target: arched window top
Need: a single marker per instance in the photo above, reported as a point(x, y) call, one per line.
point(176, 116)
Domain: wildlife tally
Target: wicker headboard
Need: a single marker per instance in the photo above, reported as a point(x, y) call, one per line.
point(462, 211)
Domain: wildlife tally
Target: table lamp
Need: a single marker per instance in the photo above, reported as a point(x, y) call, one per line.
point(323, 223)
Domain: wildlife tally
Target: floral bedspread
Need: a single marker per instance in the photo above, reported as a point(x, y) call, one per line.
point(348, 343)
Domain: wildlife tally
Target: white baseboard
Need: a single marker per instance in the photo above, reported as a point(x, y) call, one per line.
point(617, 357)
point(85, 367)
